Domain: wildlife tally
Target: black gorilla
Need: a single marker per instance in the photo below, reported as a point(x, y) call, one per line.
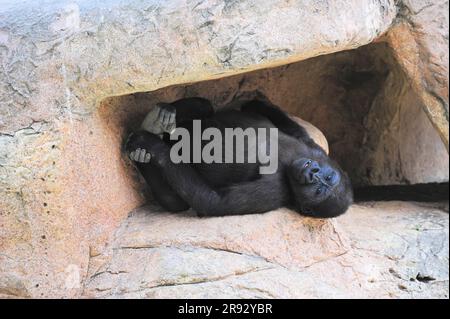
point(306, 180)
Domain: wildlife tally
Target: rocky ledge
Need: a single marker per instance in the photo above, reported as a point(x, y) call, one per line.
point(376, 250)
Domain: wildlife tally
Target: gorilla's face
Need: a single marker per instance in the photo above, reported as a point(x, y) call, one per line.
point(320, 187)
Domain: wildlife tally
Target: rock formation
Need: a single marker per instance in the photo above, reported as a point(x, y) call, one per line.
point(73, 74)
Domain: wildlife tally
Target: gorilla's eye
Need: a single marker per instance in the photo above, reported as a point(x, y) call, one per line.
point(328, 178)
point(307, 164)
point(319, 191)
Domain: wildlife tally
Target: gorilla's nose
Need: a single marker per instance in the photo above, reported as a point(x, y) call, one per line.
point(310, 173)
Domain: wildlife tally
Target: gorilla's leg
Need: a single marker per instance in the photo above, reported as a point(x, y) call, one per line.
point(162, 120)
point(161, 190)
point(281, 120)
point(266, 193)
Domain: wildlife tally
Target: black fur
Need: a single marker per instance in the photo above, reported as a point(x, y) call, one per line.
point(307, 180)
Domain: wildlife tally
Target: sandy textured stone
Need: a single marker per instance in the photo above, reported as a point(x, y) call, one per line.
point(382, 250)
point(64, 185)
point(420, 42)
point(399, 136)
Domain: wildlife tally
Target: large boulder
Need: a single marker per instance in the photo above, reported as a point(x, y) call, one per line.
point(420, 42)
point(277, 255)
point(64, 184)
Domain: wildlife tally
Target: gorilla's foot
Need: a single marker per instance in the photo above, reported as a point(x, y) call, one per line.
point(140, 155)
point(139, 146)
point(161, 119)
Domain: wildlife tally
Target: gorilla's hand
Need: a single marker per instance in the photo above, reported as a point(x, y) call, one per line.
point(161, 119)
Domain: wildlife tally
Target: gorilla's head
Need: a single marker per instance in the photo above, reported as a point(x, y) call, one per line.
point(320, 187)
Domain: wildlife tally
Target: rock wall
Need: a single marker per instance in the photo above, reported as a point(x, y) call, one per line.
point(63, 186)
point(420, 42)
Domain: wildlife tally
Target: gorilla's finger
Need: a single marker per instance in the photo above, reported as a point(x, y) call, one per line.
point(172, 118)
point(161, 116)
point(132, 155)
point(136, 154)
point(171, 128)
point(160, 112)
point(142, 156)
point(157, 118)
point(147, 158)
point(166, 118)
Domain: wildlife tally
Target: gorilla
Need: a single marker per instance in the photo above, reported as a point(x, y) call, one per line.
point(306, 179)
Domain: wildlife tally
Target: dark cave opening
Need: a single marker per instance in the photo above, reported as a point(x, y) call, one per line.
point(360, 99)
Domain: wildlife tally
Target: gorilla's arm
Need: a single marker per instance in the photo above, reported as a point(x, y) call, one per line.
point(281, 120)
point(267, 193)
